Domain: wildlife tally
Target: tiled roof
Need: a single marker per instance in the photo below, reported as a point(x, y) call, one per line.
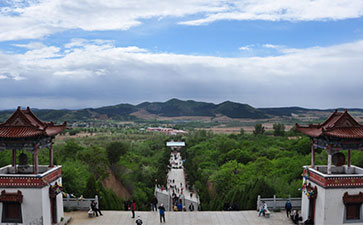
point(339, 124)
point(23, 123)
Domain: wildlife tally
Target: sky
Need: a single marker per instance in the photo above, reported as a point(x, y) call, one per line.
point(267, 53)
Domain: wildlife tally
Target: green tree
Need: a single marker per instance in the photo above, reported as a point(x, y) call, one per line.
point(259, 129)
point(115, 150)
point(241, 131)
point(279, 129)
point(91, 188)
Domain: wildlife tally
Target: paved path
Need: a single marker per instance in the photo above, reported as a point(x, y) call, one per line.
point(181, 218)
point(176, 174)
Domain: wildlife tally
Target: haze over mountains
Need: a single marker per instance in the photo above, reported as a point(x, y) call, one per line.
point(170, 108)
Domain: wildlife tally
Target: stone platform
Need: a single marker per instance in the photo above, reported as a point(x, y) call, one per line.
point(181, 218)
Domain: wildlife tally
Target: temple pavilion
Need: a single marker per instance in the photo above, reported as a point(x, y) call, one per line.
point(333, 193)
point(29, 193)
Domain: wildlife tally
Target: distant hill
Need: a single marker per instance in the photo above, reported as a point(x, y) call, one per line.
point(175, 107)
point(172, 108)
point(284, 111)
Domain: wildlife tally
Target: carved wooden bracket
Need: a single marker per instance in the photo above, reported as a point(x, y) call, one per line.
point(358, 198)
point(11, 197)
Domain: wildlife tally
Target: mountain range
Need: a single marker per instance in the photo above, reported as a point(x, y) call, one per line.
point(171, 108)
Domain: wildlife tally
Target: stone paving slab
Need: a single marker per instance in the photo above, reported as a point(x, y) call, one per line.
point(180, 218)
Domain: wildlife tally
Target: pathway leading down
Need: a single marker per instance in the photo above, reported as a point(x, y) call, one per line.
point(176, 186)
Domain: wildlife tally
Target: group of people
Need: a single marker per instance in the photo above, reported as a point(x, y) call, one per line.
point(95, 209)
point(293, 215)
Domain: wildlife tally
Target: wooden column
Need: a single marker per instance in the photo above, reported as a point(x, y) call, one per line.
point(35, 159)
point(312, 155)
point(329, 159)
point(13, 159)
point(51, 162)
point(349, 163)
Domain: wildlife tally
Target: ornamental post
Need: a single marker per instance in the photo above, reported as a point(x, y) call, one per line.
point(329, 159)
point(13, 159)
point(349, 159)
point(35, 159)
point(312, 154)
point(51, 162)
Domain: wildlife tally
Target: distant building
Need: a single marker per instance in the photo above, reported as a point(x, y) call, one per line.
point(169, 131)
point(333, 194)
point(175, 144)
point(29, 194)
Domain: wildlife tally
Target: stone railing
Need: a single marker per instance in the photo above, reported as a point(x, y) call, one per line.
point(82, 204)
point(279, 203)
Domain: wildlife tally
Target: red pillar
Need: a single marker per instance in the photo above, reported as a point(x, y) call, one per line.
point(13, 160)
point(312, 155)
point(51, 163)
point(35, 159)
point(349, 163)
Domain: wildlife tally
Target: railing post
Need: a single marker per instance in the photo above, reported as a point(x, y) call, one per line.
point(274, 201)
point(96, 200)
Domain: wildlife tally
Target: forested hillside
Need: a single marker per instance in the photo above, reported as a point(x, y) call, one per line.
point(236, 168)
point(223, 168)
point(136, 159)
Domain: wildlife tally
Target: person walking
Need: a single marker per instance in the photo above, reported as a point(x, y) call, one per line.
point(162, 212)
point(154, 203)
point(288, 208)
point(191, 207)
point(133, 208)
point(95, 209)
point(138, 221)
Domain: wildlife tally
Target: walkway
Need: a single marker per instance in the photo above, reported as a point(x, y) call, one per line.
point(176, 184)
point(181, 218)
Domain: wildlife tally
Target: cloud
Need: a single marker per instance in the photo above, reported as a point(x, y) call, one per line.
point(272, 46)
point(92, 74)
point(38, 18)
point(246, 47)
point(291, 10)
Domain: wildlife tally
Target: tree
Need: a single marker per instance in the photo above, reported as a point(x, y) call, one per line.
point(259, 129)
point(91, 189)
point(115, 150)
point(241, 131)
point(279, 129)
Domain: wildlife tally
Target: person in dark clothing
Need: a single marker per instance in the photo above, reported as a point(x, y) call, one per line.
point(154, 203)
point(226, 206)
point(133, 208)
point(95, 209)
point(162, 212)
point(309, 221)
point(235, 206)
point(126, 205)
point(191, 207)
point(296, 217)
point(138, 221)
point(288, 208)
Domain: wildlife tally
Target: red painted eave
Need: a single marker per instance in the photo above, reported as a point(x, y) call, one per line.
point(349, 132)
point(19, 132)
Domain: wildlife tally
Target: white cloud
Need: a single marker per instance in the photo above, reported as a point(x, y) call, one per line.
point(40, 18)
point(246, 47)
point(36, 19)
point(272, 46)
point(31, 45)
point(290, 10)
point(104, 74)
